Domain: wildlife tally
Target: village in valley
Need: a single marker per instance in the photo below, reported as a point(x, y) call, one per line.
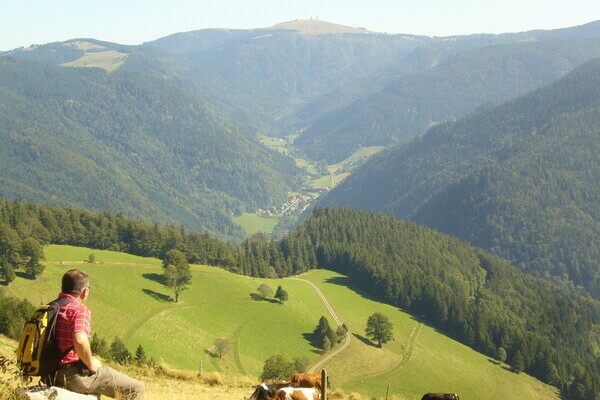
point(319, 178)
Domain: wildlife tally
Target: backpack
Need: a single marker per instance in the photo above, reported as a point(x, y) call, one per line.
point(38, 354)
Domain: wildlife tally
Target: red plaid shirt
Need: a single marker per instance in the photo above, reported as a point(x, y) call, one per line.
point(72, 318)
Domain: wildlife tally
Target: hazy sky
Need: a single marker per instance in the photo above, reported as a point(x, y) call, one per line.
point(23, 22)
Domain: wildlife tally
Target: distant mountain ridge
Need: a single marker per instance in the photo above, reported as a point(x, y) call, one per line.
point(318, 27)
point(519, 179)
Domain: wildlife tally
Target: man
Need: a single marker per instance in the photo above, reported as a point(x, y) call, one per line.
point(79, 371)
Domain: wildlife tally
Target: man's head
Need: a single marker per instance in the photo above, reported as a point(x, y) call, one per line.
point(76, 282)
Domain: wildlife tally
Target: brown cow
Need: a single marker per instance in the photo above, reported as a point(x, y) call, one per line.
point(440, 396)
point(290, 393)
point(307, 380)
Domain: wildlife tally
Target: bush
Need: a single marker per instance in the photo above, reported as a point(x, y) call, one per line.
point(13, 314)
point(277, 367)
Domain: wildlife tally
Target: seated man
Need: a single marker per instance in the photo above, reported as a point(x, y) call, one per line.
point(79, 371)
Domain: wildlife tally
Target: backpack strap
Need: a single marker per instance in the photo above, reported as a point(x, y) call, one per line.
point(57, 305)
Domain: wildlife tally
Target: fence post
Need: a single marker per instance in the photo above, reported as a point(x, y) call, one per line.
point(387, 393)
point(323, 384)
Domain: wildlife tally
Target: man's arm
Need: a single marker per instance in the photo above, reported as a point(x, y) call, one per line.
point(81, 343)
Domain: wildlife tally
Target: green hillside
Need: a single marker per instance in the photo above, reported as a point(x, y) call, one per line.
point(127, 301)
point(520, 180)
point(130, 143)
point(407, 106)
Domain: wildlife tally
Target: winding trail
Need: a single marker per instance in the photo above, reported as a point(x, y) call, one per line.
point(344, 345)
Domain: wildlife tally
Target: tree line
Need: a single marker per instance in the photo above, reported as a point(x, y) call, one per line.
point(479, 299)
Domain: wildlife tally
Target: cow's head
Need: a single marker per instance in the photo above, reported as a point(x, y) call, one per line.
point(261, 393)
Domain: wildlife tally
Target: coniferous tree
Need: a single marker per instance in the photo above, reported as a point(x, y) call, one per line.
point(119, 352)
point(140, 356)
point(32, 253)
point(501, 355)
point(281, 295)
point(99, 346)
point(325, 336)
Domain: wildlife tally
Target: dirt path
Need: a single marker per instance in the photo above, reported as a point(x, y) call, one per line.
point(344, 345)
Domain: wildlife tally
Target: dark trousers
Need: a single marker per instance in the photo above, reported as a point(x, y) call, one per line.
point(106, 381)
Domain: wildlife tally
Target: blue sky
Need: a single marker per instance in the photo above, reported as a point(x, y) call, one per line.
point(134, 21)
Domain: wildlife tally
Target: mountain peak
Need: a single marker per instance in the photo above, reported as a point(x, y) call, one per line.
point(318, 27)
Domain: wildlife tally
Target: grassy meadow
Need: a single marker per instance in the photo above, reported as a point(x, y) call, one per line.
point(95, 56)
point(253, 223)
point(418, 360)
point(128, 301)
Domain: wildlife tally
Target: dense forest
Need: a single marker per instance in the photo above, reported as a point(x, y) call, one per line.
point(520, 180)
point(128, 142)
point(471, 295)
point(407, 106)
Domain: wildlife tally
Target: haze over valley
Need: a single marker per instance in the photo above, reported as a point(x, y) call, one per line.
point(454, 180)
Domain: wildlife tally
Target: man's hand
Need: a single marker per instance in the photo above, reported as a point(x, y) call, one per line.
point(94, 365)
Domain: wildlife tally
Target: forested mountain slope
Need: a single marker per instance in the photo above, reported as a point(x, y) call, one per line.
point(520, 180)
point(409, 105)
point(126, 142)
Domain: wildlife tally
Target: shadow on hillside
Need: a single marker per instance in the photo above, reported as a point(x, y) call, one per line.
point(347, 282)
point(495, 362)
point(311, 338)
point(258, 297)
point(156, 295)
point(155, 278)
point(24, 275)
point(3, 283)
point(210, 353)
point(509, 369)
point(365, 340)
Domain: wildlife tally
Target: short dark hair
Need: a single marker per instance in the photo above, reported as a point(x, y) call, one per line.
point(74, 281)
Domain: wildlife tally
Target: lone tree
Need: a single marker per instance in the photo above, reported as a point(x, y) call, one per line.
point(174, 257)
point(379, 328)
point(265, 291)
point(223, 346)
point(281, 295)
point(178, 278)
point(177, 275)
